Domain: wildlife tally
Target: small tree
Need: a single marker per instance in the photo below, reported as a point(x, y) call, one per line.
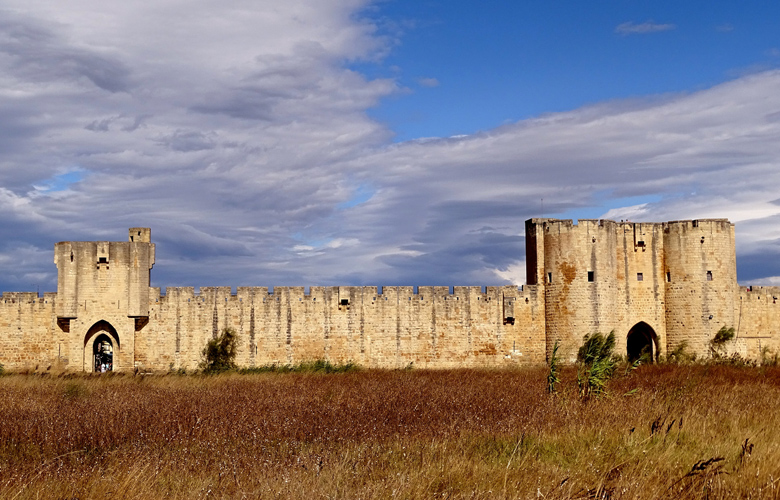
point(718, 343)
point(596, 363)
point(220, 352)
point(552, 377)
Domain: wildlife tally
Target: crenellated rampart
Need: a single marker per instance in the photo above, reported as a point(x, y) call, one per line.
point(28, 330)
point(757, 320)
point(373, 326)
point(656, 285)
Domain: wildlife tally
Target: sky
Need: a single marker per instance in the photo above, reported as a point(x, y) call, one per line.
point(387, 142)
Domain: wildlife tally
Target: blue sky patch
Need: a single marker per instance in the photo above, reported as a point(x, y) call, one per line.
point(62, 182)
point(603, 203)
point(362, 194)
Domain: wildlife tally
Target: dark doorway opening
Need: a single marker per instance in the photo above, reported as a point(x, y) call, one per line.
point(640, 343)
point(101, 348)
point(103, 354)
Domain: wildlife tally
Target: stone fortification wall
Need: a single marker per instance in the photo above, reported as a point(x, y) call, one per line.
point(757, 321)
point(656, 285)
point(385, 327)
point(28, 331)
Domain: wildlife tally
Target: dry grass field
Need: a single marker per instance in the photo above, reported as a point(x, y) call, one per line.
point(660, 432)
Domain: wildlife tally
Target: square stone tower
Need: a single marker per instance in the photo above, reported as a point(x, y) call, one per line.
point(103, 287)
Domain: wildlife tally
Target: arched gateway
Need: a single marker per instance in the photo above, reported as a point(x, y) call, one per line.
point(101, 345)
point(640, 341)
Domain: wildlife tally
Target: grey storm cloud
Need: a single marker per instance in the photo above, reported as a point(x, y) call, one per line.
point(240, 134)
point(36, 52)
point(190, 140)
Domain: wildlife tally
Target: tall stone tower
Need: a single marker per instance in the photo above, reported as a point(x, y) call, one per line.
point(575, 264)
point(654, 284)
point(701, 281)
point(103, 296)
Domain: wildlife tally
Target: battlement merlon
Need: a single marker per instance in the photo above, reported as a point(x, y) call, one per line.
point(570, 222)
point(140, 235)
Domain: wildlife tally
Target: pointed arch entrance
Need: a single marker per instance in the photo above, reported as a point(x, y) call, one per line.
point(101, 346)
point(641, 341)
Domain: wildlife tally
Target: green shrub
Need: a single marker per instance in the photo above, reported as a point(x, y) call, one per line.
point(596, 363)
point(680, 354)
point(737, 360)
point(767, 357)
point(316, 366)
point(220, 352)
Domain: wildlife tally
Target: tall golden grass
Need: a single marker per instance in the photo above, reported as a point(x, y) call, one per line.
point(660, 432)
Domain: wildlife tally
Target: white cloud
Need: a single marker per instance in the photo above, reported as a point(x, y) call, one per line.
point(632, 213)
point(342, 242)
point(631, 28)
point(772, 281)
point(428, 82)
point(515, 273)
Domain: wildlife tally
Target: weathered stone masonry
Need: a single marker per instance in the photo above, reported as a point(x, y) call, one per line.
point(655, 284)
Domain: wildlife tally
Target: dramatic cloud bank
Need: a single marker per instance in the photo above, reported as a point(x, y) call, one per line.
point(240, 134)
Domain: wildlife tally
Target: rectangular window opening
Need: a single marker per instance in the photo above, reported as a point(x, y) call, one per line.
point(640, 277)
point(102, 260)
point(549, 277)
point(591, 276)
point(709, 275)
point(668, 277)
